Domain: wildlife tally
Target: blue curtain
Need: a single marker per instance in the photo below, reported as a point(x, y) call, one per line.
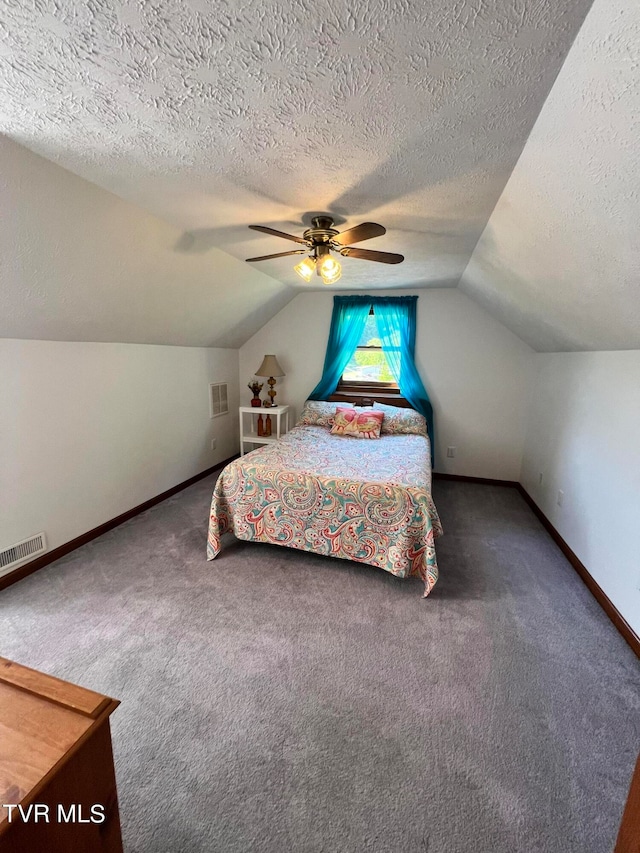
point(347, 325)
point(396, 321)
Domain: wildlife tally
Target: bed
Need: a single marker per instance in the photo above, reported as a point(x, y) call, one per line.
point(363, 500)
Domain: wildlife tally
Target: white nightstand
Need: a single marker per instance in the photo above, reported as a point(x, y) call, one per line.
point(249, 421)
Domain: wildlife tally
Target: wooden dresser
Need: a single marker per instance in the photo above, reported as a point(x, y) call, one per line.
point(56, 766)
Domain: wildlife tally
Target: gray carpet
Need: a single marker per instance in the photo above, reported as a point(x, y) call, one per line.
point(277, 701)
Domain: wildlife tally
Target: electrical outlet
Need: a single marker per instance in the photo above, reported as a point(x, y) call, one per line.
point(451, 452)
point(560, 498)
point(214, 441)
point(540, 478)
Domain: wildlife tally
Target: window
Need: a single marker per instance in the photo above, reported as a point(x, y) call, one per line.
point(368, 365)
point(395, 324)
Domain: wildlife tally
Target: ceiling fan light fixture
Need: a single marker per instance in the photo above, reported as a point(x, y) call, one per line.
point(321, 239)
point(330, 270)
point(306, 268)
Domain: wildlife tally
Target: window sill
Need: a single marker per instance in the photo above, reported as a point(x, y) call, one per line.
point(364, 395)
point(367, 388)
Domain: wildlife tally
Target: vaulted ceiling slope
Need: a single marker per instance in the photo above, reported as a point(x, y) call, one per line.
point(214, 115)
point(80, 264)
point(559, 260)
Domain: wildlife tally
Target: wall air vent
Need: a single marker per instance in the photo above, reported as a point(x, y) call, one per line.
point(14, 556)
point(218, 399)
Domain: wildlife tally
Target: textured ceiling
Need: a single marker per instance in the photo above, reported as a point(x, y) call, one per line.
point(214, 115)
point(559, 261)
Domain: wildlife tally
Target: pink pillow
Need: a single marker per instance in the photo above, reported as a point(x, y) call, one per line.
point(357, 424)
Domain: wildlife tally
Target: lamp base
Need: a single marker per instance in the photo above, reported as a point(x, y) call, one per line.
point(272, 392)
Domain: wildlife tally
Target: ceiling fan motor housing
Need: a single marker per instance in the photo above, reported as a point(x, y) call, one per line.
point(321, 232)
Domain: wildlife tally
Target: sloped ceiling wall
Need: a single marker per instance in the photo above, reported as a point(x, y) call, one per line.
point(559, 260)
point(215, 115)
point(79, 264)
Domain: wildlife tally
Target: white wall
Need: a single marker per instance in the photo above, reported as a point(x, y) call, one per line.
point(80, 264)
point(583, 435)
point(90, 430)
point(476, 372)
point(559, 259)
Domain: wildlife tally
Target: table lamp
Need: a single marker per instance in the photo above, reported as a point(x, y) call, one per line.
point(270, 368)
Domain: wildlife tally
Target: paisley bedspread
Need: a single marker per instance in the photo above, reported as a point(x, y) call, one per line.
point(363, 500)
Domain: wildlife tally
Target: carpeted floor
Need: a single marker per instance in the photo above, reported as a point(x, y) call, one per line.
point(287, 703)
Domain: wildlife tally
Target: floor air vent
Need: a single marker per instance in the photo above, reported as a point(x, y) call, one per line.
point(12, 557)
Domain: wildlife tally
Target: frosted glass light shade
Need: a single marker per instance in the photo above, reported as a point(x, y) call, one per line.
point(306, 268)
point(330, 270)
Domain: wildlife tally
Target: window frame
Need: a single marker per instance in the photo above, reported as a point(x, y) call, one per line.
point(367, 386)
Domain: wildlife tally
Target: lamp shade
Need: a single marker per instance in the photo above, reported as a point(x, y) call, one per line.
point(270, 367)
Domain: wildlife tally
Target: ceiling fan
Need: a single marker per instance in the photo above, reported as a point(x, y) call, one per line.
point(320, 239)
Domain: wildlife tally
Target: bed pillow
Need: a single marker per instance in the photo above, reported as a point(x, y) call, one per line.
point(399, 421)
point(321, 413)
point(357, 424)
point(317, 413)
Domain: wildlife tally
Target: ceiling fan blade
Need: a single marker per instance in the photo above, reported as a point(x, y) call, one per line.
point(278, 255)
point(275, 233)
point(367, 255)
point(364, 231)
